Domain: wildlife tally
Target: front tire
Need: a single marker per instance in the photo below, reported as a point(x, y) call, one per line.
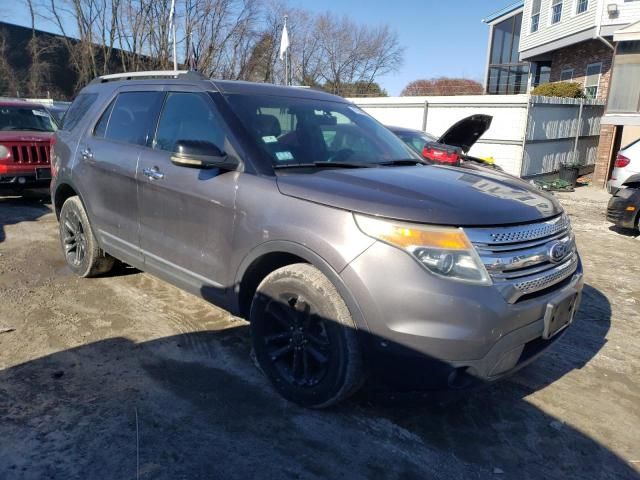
point(80, 247)
point(304, 338)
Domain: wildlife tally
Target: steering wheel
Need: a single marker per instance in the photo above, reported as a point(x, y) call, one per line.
point(341, 155)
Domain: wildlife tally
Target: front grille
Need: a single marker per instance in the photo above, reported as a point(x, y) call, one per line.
point(34, 153)
point(614, 215)
point(519, 233)
point(550, 278)
point(525, 259)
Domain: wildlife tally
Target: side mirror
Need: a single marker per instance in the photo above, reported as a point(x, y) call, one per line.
point(201, 154)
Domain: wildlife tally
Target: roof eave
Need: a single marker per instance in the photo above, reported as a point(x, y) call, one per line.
point(504, 12)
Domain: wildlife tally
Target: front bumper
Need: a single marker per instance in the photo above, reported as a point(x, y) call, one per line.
point(623, 208)
point(25, 179)
point(424, 331)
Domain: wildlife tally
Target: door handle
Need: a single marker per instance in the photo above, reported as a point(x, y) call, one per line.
point(87, 154)
point(153, 173)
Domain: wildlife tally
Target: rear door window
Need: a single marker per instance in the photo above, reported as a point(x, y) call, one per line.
point(132, 117)
point(77, 110)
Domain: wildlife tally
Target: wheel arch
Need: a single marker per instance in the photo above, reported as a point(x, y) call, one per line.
point(62, 193)
point(271, 256)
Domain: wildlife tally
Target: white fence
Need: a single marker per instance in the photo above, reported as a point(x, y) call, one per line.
point(528, 136)
point(560, 131)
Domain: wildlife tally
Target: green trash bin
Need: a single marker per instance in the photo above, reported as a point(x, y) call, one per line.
point(569, 173)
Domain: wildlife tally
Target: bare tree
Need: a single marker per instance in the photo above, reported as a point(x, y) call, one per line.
point(232, 39)
point(443, 86)
point(355, 53)
point(132, 27)
point(10, 84)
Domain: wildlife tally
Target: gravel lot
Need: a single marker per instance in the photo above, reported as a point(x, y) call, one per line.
point(126, 376)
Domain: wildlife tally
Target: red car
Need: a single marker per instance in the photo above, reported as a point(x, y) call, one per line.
point(26, 134)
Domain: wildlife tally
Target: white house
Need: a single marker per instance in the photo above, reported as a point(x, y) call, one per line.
point(593, 42)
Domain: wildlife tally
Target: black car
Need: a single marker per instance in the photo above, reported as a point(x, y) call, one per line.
point(624, 206)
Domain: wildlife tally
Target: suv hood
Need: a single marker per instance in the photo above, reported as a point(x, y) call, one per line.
point(466, 132)
point(425, 194)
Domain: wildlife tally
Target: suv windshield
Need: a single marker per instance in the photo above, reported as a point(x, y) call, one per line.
point(26, 119)
point(299, 131)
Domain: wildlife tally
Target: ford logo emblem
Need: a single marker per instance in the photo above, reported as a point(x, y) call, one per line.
point(557, 252)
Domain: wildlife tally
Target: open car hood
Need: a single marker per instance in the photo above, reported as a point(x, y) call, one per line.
point(466, 132)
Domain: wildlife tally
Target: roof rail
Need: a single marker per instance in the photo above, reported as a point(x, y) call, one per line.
point(184, 74)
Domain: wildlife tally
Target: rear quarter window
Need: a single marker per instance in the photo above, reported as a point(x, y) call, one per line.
point(133, 116)
point(77, 110)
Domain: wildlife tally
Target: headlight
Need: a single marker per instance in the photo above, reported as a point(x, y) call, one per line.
point(443, 251)
point(4, 152)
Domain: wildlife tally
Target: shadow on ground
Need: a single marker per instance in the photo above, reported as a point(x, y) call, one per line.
point(626, 232)
point(193, 406)
point(26, 206)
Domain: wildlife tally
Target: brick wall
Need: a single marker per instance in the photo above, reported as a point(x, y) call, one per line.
point(580, 55)
point(605, 146)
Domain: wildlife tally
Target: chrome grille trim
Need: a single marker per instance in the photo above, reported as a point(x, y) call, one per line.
point(512, 291)
point(549, 278)
point(519, 259)
point(518, 233)
point(518, 246)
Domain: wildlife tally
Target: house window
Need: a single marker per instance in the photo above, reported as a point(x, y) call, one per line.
point(582, 6)
point(556, 11)
point(624, 90)
point(507, 74)
point(543, 73)
point(592, 80)
point(566, 75)
point(535, 16)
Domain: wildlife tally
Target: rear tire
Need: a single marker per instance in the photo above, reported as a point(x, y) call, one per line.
point(304, 338)
point(79, 246)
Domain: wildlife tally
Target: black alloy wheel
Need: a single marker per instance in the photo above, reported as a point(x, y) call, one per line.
point(74, 239)
point(79, 246)
point(296, 340)
point(304, 338)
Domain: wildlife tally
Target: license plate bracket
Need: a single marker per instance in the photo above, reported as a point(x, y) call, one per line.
point(559, 315)
point(43, 173)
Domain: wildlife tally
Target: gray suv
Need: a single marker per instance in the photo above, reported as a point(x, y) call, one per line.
point(294, 209)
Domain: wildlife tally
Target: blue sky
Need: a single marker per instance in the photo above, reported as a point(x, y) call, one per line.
point(441, 37)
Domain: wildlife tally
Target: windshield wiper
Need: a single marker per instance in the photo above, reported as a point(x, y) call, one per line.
point(327, 165)
point(402, 162)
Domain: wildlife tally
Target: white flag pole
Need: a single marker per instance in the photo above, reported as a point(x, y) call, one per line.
point(172, 18)
point(284, 47)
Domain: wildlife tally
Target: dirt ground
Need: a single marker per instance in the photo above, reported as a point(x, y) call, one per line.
point(128, 377)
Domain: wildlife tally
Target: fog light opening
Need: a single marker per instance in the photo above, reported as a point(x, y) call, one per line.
point(22, 180)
